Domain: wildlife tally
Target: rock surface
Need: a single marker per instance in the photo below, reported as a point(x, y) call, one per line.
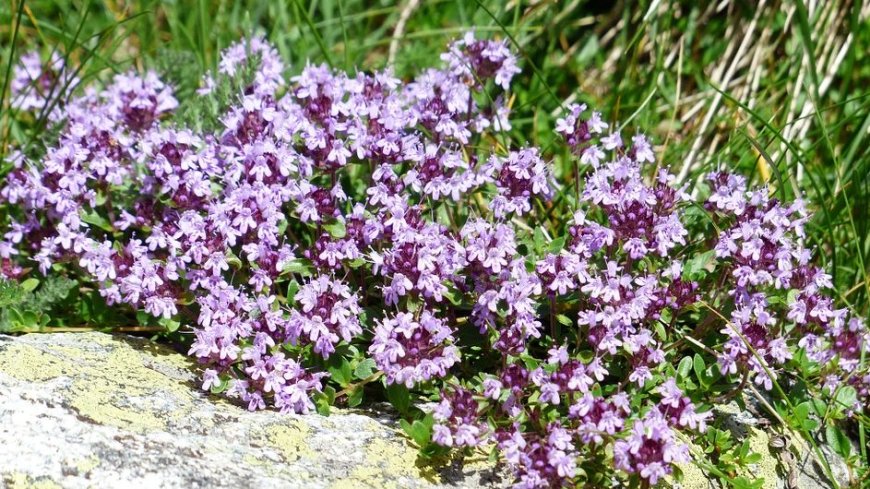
point(93, 410)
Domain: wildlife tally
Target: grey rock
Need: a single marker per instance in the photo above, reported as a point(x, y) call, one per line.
point(93, 410)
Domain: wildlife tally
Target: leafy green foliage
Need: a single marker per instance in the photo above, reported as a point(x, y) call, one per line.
point(28, 306)
point(10, 293)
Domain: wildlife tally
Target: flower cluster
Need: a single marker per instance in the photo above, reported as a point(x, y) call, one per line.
point(328, 313)
point(411, 351)
point(650, 448)
point(330, 217)
point(762, 247)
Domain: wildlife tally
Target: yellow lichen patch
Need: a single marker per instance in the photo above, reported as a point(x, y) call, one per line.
point(693, 477)
point(252, 461)
point(290, 440)
point(72, 353)
point(31, 364)
point(87, 464)
point(759, 442)
point(18, 480)
point(477, 463)
point(117, 389)
point(396, 456)
point(386, 464)
point(96, 394)
point(94, 401)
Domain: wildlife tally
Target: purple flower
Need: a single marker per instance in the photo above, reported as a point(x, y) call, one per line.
point(457, 420)
point(518, 177)
point(651, 449)
point(410, 351)
point(328, 313)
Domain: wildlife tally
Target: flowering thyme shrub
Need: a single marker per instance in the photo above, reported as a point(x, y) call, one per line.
point(338, 232)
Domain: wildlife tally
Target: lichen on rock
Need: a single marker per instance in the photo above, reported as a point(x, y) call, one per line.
point(109, 411)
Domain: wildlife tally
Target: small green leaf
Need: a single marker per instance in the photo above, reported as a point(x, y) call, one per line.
point(143, 318)
point(685, 367)
point(340, 370)
point(697, 267)
point(355, 397)
point(744, 483)
point(539, 239)
point(297, 265)
point(30, 284)
point(97, 220)
point(170, 325)
point(846, 397)
point(329, 391)
point(564, 320)
point(406, 427)
point(820, 407)
point(323, 400)
point(413, 304)
point(364, 369)
point(30, 319)
point(700, 370)
point(530, 362)
point(557, 244)
point(839, 441)
point(752, 458)
point(336, 229)
point(233, 260)
point(292, 288)
point(399, 397)
point(421, 433)
point(452, 294)
point(420, 430)
point(222, 386)
point(802, 410)
point(660, 331)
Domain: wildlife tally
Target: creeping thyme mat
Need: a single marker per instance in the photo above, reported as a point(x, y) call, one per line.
point(338, 237)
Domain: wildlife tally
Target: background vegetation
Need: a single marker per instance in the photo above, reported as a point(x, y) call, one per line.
point(776, 89)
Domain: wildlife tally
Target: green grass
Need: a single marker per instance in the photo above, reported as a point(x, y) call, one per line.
point(775, 90)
